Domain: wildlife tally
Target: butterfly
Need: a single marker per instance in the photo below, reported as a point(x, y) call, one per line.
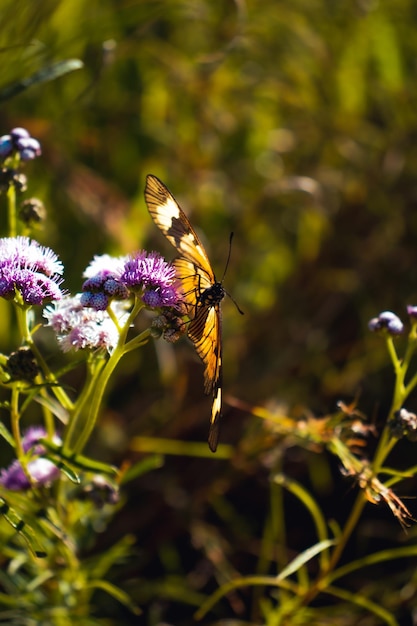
point(201, 291)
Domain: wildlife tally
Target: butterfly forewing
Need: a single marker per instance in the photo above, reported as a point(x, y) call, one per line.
point(201, 292)
point(172, 221)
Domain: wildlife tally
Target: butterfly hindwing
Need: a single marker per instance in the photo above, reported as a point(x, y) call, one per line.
point(201, 292)
point(194, 281)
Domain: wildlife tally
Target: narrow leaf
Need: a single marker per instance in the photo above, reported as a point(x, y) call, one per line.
point(46, 74)
point(23, 529)
point(304, 557)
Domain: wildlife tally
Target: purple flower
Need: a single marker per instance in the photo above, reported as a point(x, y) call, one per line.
point(41, 470)
point(78, 327)
point(152, 276)
point(387, 321)
point(32, 436)
point(30, 269)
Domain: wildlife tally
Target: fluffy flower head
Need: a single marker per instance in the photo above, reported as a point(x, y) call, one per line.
point(78, 327)
point(152, 276)
point(30, 269)
point(41, 470)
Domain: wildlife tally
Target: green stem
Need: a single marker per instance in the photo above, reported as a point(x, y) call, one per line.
point(401, 392)
point(100, 387)
point(14, 418)
point(74, 424)
point(15, 424)
point(386, 444)
point(11, 205)
point(22, 314)
point(86, 424)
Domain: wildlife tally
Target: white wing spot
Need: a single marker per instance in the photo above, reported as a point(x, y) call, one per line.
point(172, 212)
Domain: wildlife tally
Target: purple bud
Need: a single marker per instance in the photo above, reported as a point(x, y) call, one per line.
point(395, 326)
point(115, 289)
point(412, 311)
point(152, 298)
point(387, 320)
point(27, 155)
point(19, 133)
point(28, 143)
point(6, 146)
point(387, 316)
point(98, 301)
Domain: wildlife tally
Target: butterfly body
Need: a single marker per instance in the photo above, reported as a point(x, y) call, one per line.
point(202, 293)
point(212, 295)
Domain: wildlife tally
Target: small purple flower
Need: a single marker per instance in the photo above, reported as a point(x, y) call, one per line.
point(32, 436)
point(30, 269)
point(78, 327)
point(387, 321)
point(152, 276)
point(41, 470)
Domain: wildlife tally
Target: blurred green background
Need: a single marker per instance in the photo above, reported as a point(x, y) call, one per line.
point(293, 124)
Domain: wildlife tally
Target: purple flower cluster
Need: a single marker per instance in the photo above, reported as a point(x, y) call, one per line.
point(101, 288)
point(103, 282)
point(154, 278)
point(29, 269)
point(387, 321)
point(146, 274)
point(41, 470)
point(78, 327)
point(19, 141)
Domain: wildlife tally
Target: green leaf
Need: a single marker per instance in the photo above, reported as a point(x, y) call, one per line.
point(4, 432)
point(364, 602)
point(304, 557)
point(116, 593)
point(143, 466)
point(21, 527)
point(46, 74)
point(77, 460)
point(64, 468)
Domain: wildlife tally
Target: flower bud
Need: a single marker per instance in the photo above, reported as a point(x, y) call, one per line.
point(388, 321)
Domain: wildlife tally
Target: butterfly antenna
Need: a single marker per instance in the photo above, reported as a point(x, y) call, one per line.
point(224, 274)
point(229, 254)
